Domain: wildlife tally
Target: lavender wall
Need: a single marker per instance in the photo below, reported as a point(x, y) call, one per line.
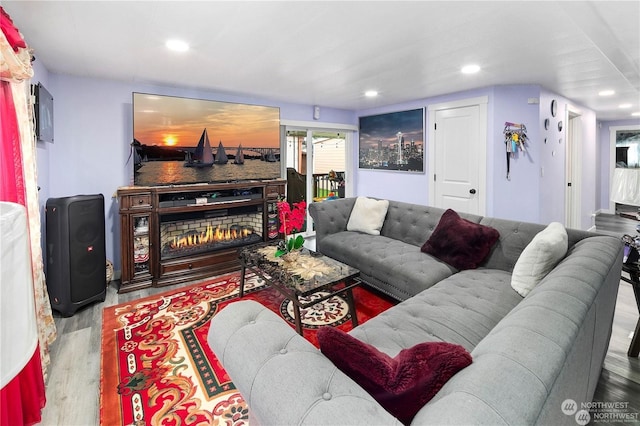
point(93, 129)
point(535, 192)
point(515, 199)
point(518, 198)
point(402, 186)
point(551, 160)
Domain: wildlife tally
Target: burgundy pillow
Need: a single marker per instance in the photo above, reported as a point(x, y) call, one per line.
point(459, 242)
point(402, 385)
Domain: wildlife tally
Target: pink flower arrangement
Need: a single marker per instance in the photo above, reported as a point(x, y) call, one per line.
point(291, 221)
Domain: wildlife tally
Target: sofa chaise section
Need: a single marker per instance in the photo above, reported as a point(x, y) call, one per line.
point(284, 378)
point(547, 349)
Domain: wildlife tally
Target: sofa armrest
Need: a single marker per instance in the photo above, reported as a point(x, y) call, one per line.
point(283, 377)
point(329, 217)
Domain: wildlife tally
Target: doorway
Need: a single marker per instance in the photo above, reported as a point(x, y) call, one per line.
point(573, 169)
point(624, 161)
point(316, 165)
point(457, 155)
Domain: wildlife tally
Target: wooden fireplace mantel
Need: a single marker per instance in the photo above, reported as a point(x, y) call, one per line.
point(141, 208)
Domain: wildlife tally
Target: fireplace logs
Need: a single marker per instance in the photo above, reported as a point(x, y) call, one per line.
point(209, 239)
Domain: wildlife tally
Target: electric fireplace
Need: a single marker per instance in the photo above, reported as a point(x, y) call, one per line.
point(187, 234)
point(190, 232)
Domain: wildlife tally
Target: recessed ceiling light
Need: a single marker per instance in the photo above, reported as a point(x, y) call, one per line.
point(606, 93)
point(371, 93)
point(636, 114)
point(177, 45)
point(470, 69)
point(624, 106)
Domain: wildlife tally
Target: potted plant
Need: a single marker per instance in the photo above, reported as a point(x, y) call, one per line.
point(291, 221)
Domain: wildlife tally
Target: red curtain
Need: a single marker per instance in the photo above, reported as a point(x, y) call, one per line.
point(11, 182)
point(23, 397)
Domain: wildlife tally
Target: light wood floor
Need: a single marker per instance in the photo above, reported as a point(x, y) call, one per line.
point(73, 385)
point(620, 378)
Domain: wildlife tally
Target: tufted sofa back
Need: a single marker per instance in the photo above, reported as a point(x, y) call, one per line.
point(413, 224)
point(330, 216)
point(514, 237)
point(410, 223)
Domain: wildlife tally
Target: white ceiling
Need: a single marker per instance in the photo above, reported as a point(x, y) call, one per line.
point(328, 53)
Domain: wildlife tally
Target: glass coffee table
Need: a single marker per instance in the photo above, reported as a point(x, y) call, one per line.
point(310, 273)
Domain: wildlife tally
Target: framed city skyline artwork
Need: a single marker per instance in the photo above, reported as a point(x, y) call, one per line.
point(392, 141)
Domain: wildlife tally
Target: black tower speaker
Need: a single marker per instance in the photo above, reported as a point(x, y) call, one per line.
point(76, 253)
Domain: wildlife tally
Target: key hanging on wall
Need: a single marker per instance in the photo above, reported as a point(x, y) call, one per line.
point(515, 138)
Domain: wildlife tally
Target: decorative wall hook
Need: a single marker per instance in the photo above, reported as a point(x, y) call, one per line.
point(515, 137)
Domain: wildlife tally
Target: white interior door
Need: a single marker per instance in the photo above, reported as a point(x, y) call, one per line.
point(573, 170)
point(457, 159)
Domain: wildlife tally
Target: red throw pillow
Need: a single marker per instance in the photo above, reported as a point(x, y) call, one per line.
point(459, 242)
point(402, 385)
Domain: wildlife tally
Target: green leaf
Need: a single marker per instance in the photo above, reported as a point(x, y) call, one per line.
point(280, 252)
point(299, 241)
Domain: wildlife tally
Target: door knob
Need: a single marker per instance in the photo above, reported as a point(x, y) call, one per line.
point(472, 191)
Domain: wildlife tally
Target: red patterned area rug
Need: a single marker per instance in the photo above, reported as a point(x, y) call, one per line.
point(157, 369)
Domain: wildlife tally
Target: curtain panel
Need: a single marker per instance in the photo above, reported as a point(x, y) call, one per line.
point(23, 396)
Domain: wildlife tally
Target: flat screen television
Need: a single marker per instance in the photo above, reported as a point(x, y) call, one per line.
point(184, 141)
point(43, 113)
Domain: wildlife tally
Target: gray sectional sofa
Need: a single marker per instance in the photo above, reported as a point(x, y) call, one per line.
point(529, 354)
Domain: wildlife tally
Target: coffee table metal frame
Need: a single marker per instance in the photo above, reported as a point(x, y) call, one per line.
point(341, 286)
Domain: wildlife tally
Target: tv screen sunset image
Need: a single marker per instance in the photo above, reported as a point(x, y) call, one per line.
point(181, 140)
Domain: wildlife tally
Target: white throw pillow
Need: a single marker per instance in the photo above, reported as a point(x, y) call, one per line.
point(368, 215)
point(539, 257)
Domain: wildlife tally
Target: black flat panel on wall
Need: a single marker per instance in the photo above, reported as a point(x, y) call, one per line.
point(76, 253)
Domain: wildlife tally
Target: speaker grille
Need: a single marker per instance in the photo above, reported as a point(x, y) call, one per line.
point(86, 248)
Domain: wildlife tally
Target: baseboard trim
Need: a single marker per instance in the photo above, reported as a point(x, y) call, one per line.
point(605, 211)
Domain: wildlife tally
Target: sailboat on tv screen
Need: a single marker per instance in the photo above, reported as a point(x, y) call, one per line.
point(239, 158)
point(221, 155)
point(203, 156)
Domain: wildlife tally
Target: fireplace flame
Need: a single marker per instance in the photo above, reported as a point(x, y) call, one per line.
point(210, 235)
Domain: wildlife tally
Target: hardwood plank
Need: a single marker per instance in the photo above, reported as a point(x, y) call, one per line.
point(620, 378)
point(74, 381)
